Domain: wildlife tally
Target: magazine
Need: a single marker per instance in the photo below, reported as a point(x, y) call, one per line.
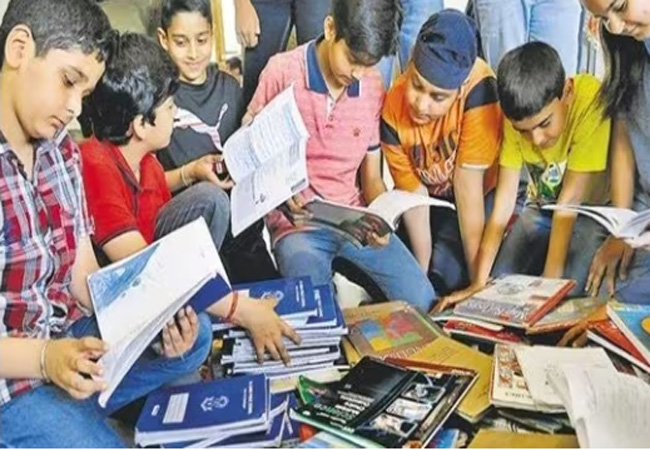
point(381, 217)
point(267, 160)
point(620, 222)
point(133, 299)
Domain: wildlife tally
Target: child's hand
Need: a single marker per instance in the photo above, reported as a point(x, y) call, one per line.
point(456, 297)
point(376, 241)
point(67, 359)
point(179, 335)
point(613, 257)
point(265, 327)
point(577, 335)
point(203, 169)
point(294, 210)
point(247, 23)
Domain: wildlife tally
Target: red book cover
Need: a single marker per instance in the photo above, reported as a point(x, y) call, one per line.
point(609, 331)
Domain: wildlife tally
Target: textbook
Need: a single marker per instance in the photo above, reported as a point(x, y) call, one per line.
point(295, 297)
point(477, 333)
point(394, 329)
point(509, 439)
point(267, 160)
point(620, 222)
point(199, 411)
point(508, 388)
point(134, 298)
point(382, 216)
point(568, 314)
point(517, 301)
point(383, 405)
point(608, 336)
point(634, 322)
point(607, 409)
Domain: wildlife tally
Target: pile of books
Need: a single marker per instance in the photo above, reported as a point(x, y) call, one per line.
point(314, 314)
point(227, 413)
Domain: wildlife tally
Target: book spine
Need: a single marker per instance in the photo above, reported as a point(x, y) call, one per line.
point(551, 303)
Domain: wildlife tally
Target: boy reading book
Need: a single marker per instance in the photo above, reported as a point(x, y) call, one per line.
point(557, 131)
point(210, 109)
point(53, 54)
point(441, 131)
point(129, 195)
point(339, 96)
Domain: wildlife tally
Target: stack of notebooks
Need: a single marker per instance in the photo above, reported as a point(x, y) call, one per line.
point(626, 333)
point(314, 314)
point(228, 413)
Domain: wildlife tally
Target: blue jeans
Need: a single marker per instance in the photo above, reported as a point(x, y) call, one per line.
point(277, 18)
point(392, 268)
point(525, 247)
point(507, 24)
point(416, 12)
point(62, 421)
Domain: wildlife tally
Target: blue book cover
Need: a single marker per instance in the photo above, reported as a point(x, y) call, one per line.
point(295, 298)
point(197, 411)
point(326, 315)
point(211, 292)
point(634, 322)
point(445, 438)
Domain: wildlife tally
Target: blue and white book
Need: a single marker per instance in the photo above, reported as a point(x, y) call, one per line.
point(295, 297)
point(134, 298)
point(275, 367)
point(326, 315)
point(634, 322)
point(203, 410)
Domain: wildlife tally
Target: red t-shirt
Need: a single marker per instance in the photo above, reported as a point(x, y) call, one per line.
point(117, 203)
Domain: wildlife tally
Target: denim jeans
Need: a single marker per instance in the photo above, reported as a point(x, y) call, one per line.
point(507, 24)
point(48, 417)
point(525, 247)
point(277, 18)
point(416, 12)
point(392, 268)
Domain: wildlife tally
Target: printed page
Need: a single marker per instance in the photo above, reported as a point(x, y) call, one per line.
point(613, 219)
point(270, 186)
point(536, 362)
point(391, 205)
point(278, 127)
point(607, 408)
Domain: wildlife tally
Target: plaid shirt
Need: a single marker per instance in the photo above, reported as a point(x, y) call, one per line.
point(42, 221)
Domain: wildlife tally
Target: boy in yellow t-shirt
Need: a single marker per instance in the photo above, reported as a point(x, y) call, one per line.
point(556, 130)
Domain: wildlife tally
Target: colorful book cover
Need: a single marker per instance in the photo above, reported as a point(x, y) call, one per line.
point(567, 314)
point(379, 404)
point(197, 411)
point(393, 329)
point(634, 322)
point(445, 438)
point(516, 300)
point(455, 327)
point(295, 297)
point(609, 331)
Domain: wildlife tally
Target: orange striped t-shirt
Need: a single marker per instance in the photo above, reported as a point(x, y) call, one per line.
point(468, 136)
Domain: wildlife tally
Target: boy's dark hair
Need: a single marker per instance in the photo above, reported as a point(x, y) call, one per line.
point(61, 25)
point(529, 78)
point(170, 8)
point(626, 59)
point(234, 63)
point(370, 28)
point(138, 79)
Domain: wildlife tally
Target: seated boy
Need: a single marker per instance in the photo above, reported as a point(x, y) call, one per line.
point(132, 112)
point(441, 131)
point(339, 96)
point(53, 54)
point(210, 109)
point(557, 130)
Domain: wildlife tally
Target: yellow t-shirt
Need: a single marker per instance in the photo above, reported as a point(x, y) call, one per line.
point(582, 147)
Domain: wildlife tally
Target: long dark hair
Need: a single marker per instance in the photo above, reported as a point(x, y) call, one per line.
point(625, 60)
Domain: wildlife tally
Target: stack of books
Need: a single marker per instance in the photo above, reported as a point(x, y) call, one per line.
point(228, 413)
point(314, 314)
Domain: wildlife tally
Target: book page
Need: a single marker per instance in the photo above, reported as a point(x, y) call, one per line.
point(613, 219)
point(278, 127)
point(391, 205)
point(608, 409)
point(536, 362)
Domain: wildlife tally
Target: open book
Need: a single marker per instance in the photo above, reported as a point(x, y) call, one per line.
point(381, 216)
point(133, 299)
point(267, 160)
point(607, 409)
point(620, 222)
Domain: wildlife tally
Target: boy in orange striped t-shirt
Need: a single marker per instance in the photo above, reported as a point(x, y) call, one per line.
point(441, 131)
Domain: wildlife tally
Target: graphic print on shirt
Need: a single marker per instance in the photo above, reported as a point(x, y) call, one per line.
point(545, 181)
point(435, 166)
point(186, 119)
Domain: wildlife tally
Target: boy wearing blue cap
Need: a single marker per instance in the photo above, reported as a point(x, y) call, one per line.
point(441, 132)
point(555, 129)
